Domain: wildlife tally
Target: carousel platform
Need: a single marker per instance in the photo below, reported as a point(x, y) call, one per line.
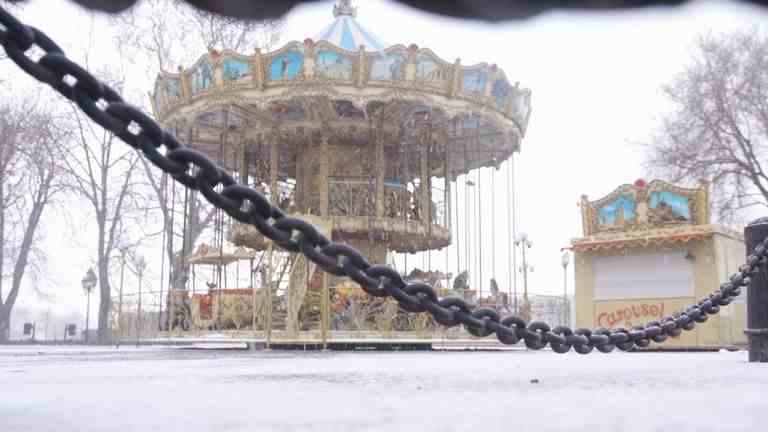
point(336, 341)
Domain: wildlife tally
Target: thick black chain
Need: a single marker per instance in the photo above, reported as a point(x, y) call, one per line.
point(104, 106)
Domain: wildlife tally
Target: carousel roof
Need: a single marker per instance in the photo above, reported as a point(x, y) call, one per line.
point(345, 32)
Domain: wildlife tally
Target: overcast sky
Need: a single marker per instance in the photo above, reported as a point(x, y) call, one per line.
point(595, 79)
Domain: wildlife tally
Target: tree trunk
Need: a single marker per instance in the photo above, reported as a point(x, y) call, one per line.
point(5, 324)
point(105, 292)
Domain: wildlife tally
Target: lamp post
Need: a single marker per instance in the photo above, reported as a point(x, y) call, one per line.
point(123, 251)
point(524, 243)
point(140, 266)
point(89, 283)
point(565, 259)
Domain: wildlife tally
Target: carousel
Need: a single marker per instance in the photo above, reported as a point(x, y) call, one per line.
point(362, 139)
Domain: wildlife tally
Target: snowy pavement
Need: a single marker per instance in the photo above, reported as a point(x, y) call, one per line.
point(160, 389)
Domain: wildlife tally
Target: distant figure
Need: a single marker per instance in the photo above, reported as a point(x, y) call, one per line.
point(461, 281)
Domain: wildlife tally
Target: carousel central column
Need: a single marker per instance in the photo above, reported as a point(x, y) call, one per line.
point(274, 163)
point(381, 168)
point(424, 192)
point(324, 174)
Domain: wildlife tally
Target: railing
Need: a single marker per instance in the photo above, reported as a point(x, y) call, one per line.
point(351, 197)
point(357, 197)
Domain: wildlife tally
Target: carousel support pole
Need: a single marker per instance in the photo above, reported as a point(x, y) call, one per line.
point(325, 315)
point(324, 174)
point(268, 297)
point(447, 211)
point(253, 297)
point(324, 207)
point(274, 165)
point(243, 156)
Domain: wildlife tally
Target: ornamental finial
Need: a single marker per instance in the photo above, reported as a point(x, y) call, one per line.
point(344, 8)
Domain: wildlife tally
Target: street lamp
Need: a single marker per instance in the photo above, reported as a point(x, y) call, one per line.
point(140, 265)
point(89, 283)
point(524, 243)
point(565, 259)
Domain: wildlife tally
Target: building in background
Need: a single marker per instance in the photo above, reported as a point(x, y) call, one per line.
point(650, 250)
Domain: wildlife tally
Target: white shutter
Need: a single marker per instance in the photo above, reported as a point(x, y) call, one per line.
point(641, 276)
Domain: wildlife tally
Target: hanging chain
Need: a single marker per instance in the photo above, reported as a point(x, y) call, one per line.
point(196, 171)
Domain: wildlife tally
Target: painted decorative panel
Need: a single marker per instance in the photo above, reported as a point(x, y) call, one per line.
point(235, 69)
point(202, 77)
point(473, 81)
point(428, 70)
point(618, 211)
point(211, 118)
point(500, 92)
point(332, 65)
point(645, 205)
point(521, 103)
point(346, 109)
point(666, 206)
point(285, 66)
point(419, 113)
point(388, 67)
point(173, 89)
point(159, 97)
point(287, 111)
point(167, 91)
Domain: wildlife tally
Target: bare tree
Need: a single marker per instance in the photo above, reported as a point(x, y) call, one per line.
point(31, 150)
point(170, 35)
point(718, 129)
point(104, 171)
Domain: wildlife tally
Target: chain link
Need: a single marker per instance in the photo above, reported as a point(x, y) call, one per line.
point(196, 171)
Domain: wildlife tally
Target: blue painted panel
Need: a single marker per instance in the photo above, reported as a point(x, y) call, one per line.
point(388, 67)
point(500, 92)
point(285, 66)
point(621, 209)
point(427, 69)
point(173, 88)
point(330, 64)
point(474, 81)
point(678, 203)
point(235, 69)
point(202, 77)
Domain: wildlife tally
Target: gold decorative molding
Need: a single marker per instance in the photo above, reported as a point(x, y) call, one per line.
point(643, 206)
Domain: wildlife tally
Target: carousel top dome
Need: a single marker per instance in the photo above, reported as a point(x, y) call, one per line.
point(345, 32)
point(339, 86)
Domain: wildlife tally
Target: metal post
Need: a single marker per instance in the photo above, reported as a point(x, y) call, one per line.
point(325, 311)
point(565, 295)
point(138, 314)
point(268, 296)
point(564, 261)
point(757, 297)
point(87, 313)
point(120, 298)
point(525, 286)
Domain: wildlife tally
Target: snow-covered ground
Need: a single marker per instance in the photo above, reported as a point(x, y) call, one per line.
point(148, 389)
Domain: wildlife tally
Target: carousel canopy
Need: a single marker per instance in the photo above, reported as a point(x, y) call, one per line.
point(345, 32)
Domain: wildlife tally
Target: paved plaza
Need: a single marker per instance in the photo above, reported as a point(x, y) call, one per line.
point(174, 389)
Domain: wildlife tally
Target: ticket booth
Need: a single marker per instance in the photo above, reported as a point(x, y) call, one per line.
point(648, 250)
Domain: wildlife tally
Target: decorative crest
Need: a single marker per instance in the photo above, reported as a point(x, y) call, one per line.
point(643, 205)
point(344, 8)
